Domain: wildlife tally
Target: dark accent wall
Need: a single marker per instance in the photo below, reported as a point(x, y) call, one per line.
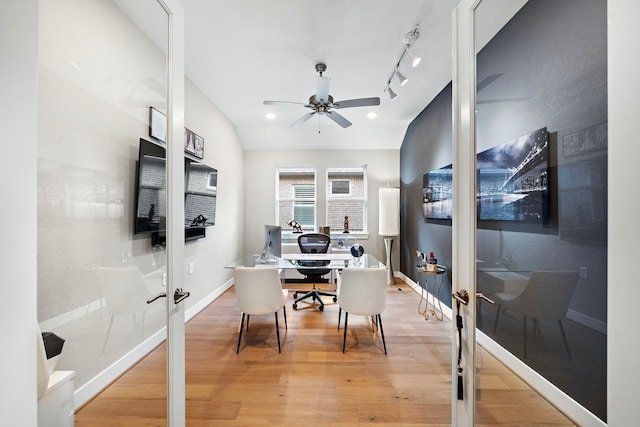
point(546, 67)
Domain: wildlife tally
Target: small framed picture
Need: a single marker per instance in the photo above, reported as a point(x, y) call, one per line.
point(193, 144)
point(157, 125)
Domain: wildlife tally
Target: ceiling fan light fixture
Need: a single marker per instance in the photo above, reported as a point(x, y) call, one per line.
point(270, 116)
point(372, 115)
point(401, 78)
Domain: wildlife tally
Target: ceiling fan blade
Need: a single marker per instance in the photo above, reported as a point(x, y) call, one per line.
point(487, 81)
point(361, 102)
point(322, 88)
point(283, 102)
point(338, 119)
point(303, 119)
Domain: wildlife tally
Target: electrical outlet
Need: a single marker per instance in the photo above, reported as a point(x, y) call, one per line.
point(164, 280)
point(190, 268)
point(582, 272)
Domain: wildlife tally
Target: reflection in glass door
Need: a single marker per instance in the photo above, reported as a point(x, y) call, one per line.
point(101, 207)
point(542, 196)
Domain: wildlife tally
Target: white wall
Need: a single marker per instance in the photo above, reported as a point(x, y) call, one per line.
point(95, 90)
point(18, 103)
point(260, 181)
point(623, 375)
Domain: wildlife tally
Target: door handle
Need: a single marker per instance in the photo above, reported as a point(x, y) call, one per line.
point(463, 297)
point(482, 296)
point(179, 295)
point(160, 295)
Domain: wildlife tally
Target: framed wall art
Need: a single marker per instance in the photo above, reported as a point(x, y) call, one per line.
point(193, 144)
point(157, 125)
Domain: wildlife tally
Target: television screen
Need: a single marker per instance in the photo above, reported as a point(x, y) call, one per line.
point(151, 197)
point(200, 195)
point(201, 182)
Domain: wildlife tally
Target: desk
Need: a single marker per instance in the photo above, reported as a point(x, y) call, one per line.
point(424, 275)
point(290, 261)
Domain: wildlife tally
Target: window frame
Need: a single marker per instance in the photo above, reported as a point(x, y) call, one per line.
point(290, 170)
point(348, 169)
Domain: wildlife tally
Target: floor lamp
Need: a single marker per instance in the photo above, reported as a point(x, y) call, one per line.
point(389, 222)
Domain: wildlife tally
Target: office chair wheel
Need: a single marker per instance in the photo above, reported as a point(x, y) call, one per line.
point(321, 308)
point(295, 295)
point(295, 306)
point(335, 299)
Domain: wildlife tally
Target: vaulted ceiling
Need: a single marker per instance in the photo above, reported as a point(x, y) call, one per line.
point(243, 52)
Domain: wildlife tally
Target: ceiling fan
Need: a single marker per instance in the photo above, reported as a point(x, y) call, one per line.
point(322, 103)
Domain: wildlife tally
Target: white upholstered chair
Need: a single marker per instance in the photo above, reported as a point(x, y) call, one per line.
point(259, 292)
point(125, 293)
point(546, 296)
point(362, 291)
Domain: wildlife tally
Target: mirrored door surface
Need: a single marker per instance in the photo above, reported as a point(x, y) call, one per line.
point(102, 193)
point(541, 136)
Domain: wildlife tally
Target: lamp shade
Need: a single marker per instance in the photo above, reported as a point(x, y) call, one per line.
point(389, 211)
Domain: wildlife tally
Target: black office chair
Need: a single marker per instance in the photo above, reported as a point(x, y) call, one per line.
point(313, 243)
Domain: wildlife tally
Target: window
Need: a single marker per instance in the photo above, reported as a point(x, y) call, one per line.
point(347, 196)
point(341, 187)
point(296, 190)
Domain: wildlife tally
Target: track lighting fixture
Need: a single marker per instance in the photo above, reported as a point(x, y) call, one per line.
point(391, 93)
point(401, 78)
point(408, 40)
point(415, 60)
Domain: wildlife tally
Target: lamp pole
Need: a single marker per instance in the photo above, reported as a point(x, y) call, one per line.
point(388, 245)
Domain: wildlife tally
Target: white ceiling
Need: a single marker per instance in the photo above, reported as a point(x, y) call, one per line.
point(242, 52)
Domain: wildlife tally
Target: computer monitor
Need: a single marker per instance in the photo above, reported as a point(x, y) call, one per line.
point(272, 241)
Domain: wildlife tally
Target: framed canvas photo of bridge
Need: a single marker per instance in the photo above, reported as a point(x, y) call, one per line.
point(513, 183)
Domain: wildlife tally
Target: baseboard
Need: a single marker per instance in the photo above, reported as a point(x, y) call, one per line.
point(75, 314)
point(572, 409)
point(589, 322)
point(94, 386)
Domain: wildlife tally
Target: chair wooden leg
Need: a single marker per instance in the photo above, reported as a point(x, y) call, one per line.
point(564, 338)
point(339, 316)
point(248, 317)
point(379, 322)
point(524, 334)
point(495, 323)
point(344, 340)
point(240, 333)
point(277, 331)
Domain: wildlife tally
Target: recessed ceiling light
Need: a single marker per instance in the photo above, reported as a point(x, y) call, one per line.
point(270, 116)
point(372, 115)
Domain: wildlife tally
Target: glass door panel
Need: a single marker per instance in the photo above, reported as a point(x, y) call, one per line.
point(101, 208)
point(542, 195)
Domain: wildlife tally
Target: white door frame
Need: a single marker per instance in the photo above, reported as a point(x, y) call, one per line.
point(176, 397)
point(464, 207)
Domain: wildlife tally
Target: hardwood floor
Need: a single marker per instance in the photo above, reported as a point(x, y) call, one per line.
point(311, 381)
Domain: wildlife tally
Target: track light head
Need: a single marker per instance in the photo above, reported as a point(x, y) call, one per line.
point(391, 93)
point(401, 78)
point(415, 59)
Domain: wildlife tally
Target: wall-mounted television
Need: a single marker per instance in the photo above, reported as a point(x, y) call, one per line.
point(513, 183)
point(201, 182)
